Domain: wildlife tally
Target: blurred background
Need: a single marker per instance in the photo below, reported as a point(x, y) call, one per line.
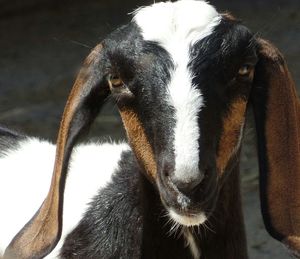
point(44, 42)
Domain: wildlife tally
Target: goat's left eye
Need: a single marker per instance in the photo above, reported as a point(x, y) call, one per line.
point(245, 70)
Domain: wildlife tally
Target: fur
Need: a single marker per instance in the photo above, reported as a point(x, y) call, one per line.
point(35, 160)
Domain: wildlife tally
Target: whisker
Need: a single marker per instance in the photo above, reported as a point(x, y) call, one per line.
point(206, 224)
point(81, 44)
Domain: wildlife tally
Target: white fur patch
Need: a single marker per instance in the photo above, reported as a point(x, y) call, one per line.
point(190, 240)
point(191, 220)
point(25, 176)
point(176, 27)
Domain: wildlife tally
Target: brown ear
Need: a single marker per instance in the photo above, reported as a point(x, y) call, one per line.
point(277, 114)
point(41, 234)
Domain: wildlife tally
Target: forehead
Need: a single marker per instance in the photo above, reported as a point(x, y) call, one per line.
point(178, 32)
point(188, 34)
point(182, 22)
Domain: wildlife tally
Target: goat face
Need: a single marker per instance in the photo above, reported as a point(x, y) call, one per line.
point(182, 93)
point(181, 75)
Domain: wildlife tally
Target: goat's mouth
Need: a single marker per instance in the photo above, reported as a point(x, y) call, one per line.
point(187, 210)
point(187, 219)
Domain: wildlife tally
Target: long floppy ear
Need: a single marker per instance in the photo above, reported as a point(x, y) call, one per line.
point(41, 234)
point(277, 114)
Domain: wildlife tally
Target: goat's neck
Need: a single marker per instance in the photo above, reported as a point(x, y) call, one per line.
point(227, 239)
point(157, 240)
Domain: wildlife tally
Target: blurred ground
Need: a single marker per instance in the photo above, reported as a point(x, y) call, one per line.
point(43, 43)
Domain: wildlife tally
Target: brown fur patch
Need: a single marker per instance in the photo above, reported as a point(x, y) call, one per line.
point(281, 179)
point(293, 244)
point(231, 133)
point(139, 141)
point(270, 51)
point(94, 53)
point(283, 145)
point(229, 16)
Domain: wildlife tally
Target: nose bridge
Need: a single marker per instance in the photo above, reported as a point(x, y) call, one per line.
point(178, 134)
point(186, 145)
point(186, 171)
point(185, 180)
point(177, 154)
point(188, 102)
point(179, 162)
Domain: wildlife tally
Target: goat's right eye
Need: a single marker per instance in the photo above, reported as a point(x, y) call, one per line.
point(118, 88)
point(115, 81)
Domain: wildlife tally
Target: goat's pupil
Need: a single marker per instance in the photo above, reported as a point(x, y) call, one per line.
point(244, 70)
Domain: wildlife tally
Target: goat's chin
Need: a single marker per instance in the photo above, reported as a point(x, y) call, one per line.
point(188, 220)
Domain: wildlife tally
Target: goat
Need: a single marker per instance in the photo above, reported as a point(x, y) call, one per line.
point(183, 76)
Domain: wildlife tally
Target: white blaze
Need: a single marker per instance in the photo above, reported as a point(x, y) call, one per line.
point(176, 27)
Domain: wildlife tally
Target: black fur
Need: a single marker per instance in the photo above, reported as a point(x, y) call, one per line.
point(125, 220)
point(145, 68)
point(9, 140)
point(217, 60)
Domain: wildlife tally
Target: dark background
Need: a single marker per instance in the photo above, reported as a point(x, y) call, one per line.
point(44, 42)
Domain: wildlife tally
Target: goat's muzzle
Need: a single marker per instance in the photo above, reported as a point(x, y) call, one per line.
point(192, 201)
